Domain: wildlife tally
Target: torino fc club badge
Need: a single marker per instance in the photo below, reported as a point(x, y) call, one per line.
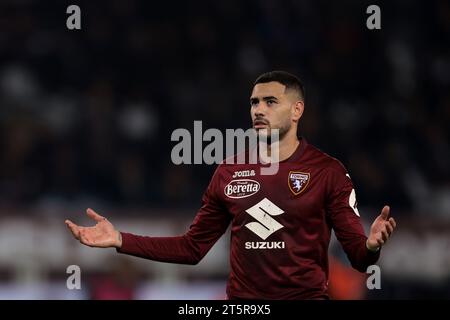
point(297, 181)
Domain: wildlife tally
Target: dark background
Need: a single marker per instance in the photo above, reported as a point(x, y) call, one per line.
point(86, 115)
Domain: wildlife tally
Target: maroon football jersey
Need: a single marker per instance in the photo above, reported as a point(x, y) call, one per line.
point(280, 227)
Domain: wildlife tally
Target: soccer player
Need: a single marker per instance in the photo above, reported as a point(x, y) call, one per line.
point(280, 224)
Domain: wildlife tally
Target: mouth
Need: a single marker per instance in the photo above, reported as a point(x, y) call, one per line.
point(259, 124)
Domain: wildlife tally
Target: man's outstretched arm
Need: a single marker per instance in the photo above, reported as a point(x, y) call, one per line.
point(208, 226)
point(189, 248)
point(362, 251)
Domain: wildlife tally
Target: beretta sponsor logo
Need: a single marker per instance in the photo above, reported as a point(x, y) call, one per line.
point(241, 188)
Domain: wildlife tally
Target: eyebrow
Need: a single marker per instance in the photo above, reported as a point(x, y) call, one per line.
point(255, 99)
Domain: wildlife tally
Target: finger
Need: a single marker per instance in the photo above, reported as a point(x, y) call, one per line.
point(385, 213)
point(389, 227)
point(94, 215)
point(392, 222)
point(73, 228)
point(384, 235)
point(380, 242)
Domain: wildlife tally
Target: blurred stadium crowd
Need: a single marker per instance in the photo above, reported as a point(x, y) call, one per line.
point(86, 116)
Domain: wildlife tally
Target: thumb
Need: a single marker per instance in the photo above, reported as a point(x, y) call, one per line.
point(384, 213)
point(73, 228)
point(94, 215)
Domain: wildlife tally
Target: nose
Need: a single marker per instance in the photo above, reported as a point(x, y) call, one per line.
point(259, 110)
point(259, 114)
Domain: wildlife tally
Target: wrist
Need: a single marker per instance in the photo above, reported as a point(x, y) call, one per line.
point(118, 240)
point(370, 248)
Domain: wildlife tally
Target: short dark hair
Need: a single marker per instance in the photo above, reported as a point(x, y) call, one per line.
point(290, 81)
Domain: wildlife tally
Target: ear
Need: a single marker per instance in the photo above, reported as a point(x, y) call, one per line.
point(297, 110)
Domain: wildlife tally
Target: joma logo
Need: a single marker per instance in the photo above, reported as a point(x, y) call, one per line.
point(243, 174)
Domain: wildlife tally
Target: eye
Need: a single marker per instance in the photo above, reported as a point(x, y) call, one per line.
point(253, 103)
point(271, 102)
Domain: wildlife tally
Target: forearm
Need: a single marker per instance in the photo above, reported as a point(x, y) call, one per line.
point(360, 256)
point(179, 249)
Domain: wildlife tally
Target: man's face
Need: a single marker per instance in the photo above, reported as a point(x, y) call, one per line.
point(271, 107)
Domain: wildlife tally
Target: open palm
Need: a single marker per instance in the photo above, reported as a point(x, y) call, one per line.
point(102, 235)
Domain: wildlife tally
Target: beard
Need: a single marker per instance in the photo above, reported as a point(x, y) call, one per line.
point(266, 134)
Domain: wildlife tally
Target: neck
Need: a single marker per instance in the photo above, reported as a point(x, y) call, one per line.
point(288, 145)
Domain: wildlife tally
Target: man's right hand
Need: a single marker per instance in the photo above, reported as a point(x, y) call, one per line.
point(102, 235)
